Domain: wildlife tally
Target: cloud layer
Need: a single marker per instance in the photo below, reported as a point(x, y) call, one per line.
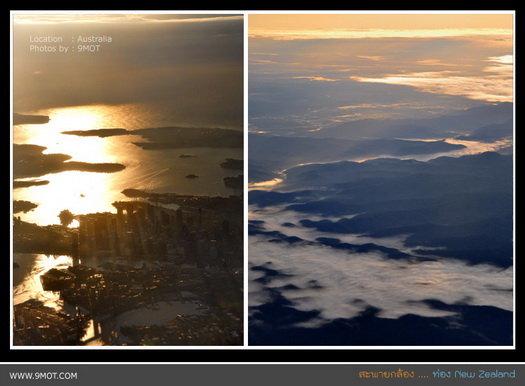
point(348, 283)
point(403, 70)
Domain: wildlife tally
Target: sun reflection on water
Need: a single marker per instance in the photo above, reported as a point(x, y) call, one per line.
point(29, 286)
point(91, 192)
point(78, 191)
point(50, 135)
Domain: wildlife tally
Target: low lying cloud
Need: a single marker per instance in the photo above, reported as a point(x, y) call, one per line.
point(371, 57)
point(319, 78)
point(346, 283)
point(494, 83)
point(347, 33)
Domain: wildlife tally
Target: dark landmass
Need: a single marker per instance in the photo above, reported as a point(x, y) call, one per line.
point(98, 132)
point(259, 173)
point(462, 208)
point(464, 204)
point(458, 208)
point(136, 193)
point(263, 198)
point(269, 153)
point(274, 324)
point(187, 156)
point(23, 206)
point(275, 236)
point(30, 161)
point(186, 137)
point(26, 184)
point(491, 133)
point(91, 167)
point(192, 176)
point(161, 138)
point(446, 126)
point(231, 204)
point(32, 238)
point(23, 119)
point(269, 273)
point(373, 138)
point(451, 170)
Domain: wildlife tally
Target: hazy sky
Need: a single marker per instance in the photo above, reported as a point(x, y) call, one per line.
point(311, 70)
point(194, 63)
point(478, 23)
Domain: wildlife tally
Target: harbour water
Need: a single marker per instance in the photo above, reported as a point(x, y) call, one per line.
point(159, 171)
point(26, 278)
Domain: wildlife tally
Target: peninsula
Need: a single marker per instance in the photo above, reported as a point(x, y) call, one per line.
point(25, 119)
point(176, 137)
point(30, 161)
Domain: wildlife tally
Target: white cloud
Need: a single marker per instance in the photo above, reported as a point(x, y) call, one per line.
point(315, 77)
point(376, 58)
point(364, 33)
point(353, 281)
point(493, 84)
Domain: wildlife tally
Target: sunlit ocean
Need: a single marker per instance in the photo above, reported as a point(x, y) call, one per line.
point(160, 171)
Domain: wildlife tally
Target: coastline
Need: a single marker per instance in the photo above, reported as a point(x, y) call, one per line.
point(191, 255)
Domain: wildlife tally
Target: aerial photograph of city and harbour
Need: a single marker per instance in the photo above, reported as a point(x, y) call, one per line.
point(381, 179)
point(127, 179)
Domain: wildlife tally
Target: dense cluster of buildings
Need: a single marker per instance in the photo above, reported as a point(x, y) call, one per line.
point(145, 231)
point(190, 254)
